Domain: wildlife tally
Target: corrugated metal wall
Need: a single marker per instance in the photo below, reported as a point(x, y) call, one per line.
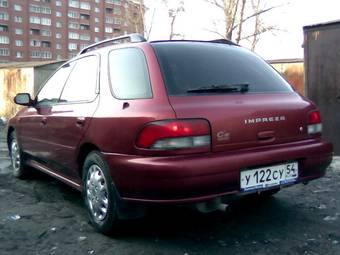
point(322, 66)
point(13, 81)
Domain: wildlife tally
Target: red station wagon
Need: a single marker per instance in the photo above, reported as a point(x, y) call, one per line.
point(132, 123)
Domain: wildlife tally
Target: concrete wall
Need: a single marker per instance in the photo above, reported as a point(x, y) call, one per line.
point(13, 81)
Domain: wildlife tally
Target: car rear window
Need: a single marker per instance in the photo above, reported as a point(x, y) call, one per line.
point(191, 65)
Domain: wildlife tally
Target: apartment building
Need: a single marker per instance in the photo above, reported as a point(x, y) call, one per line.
point(57, 29)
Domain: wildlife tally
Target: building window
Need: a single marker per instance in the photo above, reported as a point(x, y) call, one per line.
point(34, 8)
point(97, 1)
point(73, 35)
point(4, 39)
point(46, 10)
point(17, 7)
point(96, 29)
point(58, 46)
point(34, 31)
point(118, 21)
point(72, 55)
point(96, 20)
point(19, 54)
point(18, 19)
point(41, 54)
point(3, 16)
point(73, 14)
point(117, 11)
point(73, 25)
point(18, 31)
point(58, 35)
point(84, 16)
point(35, 43)
point(34, 20)
point(108, 30)
point(82, 46)
point(85, 37)
point(3, 28)
point(72, 46)
point(19, 43)
point(73, 3)
point(85, 6)
point(84, 27)
point(4, 3)
point(109, 20)
point(59, 57)
point(58, 3)
point(46, 44)
point(4, 52)
point(46, 21)
point(96, 9)
point(58, 14)
point(45, 32)
point(96, 39)
point(58, 24)
point(117, 2)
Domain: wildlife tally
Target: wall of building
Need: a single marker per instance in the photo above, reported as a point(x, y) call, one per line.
point(293, 72)
point(34, 30)
point(13, 81)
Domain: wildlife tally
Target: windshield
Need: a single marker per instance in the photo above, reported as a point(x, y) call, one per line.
point(188, 67)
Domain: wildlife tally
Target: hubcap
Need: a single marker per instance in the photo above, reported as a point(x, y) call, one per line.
point(15, 156)
point(97, 193)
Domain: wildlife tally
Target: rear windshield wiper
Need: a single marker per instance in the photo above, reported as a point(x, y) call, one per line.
point(241, 87)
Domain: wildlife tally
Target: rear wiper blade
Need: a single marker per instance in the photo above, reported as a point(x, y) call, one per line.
point(241, 87)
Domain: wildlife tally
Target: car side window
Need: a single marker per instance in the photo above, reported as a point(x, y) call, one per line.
point(50, 92)
point(129, 74)
point(82, 82)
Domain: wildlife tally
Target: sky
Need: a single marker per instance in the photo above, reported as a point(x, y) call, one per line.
point(289, 17)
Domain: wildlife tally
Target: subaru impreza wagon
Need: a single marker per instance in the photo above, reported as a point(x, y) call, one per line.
point(132, 123)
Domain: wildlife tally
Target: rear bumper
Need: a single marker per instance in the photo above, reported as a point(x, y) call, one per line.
point(200, 177)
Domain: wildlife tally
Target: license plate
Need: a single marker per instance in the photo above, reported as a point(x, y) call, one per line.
point(265, 177)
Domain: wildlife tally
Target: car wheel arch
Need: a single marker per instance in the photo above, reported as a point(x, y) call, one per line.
point(9, 132)
point(84, 150)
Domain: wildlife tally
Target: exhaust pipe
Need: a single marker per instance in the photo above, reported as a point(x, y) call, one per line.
point(211, 206)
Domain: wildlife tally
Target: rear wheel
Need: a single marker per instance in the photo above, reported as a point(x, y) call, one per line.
point(17, 158)
point(99, 193)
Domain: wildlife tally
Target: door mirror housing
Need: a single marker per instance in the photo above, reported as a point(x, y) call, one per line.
point(23, 99)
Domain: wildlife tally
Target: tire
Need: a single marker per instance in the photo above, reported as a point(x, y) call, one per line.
point(100, 196)
point(17, 158)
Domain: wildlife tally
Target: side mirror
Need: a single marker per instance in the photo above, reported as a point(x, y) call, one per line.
point(23, 99)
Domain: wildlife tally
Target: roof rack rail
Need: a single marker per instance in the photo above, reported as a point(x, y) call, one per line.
point(224, 41)
point(133, 38)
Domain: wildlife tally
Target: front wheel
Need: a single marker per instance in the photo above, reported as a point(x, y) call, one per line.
point(17, 158)
point(99, 193)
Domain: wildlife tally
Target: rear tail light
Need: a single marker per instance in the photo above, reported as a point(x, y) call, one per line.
point(314, 123)
point(175, 134)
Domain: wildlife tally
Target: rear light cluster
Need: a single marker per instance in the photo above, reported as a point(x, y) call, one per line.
point(175, 134)
point(314, 123)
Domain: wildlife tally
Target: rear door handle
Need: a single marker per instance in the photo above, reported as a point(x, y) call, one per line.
point(266, 136)
point(80, 121)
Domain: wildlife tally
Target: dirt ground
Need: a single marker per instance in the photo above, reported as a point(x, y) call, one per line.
point(43, 216)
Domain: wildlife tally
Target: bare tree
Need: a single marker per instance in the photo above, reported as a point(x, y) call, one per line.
point(236, 14)
point(173, 14)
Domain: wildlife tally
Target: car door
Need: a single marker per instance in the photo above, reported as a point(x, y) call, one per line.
point(31, 128)
point(70, 118)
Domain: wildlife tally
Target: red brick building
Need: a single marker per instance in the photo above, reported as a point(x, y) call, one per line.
point(57, 29)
